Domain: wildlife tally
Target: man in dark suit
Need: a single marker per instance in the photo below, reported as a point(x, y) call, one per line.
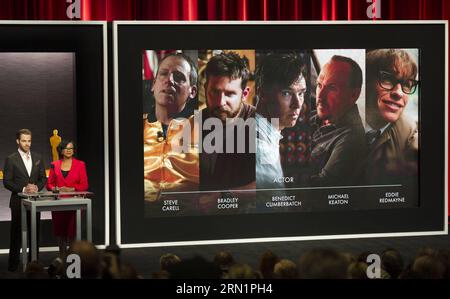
point(23, 172)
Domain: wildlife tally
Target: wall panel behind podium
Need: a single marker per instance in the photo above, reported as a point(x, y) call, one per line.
point(38, 90)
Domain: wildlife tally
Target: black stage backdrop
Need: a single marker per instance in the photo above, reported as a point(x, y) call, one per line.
point(38, 92)
point(428, 38)
point(86, 42)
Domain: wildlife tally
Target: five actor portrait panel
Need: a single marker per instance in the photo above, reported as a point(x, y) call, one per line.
point(237, 131)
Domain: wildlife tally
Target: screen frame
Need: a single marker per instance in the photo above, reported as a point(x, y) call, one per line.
point(103, 26)
point(116, 32)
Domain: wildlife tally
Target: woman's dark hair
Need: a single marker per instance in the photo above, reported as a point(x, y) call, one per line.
point(64, 144)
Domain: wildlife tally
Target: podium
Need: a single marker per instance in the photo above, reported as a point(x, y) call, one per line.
point(49, 201)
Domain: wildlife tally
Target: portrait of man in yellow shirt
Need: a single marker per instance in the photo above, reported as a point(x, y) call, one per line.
point(166, 167)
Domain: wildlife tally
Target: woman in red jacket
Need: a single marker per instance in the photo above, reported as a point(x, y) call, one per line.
point(66, 175)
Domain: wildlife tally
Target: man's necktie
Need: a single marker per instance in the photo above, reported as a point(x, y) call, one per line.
point(372, 135)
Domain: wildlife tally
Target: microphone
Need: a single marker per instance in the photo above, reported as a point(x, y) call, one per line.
point(160, 136)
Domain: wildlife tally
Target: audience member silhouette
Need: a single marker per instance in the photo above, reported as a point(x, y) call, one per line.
point(195, 268)
point(323, 264)
point(224, 260)
point(286, 269)
point(267, 263)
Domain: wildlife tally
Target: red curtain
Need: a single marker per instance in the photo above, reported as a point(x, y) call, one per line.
point(223, 9)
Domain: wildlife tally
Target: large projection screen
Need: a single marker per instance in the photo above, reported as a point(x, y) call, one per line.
point(359, 149)
point(54, 78)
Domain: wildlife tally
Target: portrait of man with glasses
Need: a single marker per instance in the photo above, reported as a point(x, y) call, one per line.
point(392, 136)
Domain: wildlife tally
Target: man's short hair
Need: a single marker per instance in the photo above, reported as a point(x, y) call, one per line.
point(389, 60)
point(356, 76)
point(22, 132)
point(228, 64)
point(193, 76)
point(285, 269)
point(279, 69)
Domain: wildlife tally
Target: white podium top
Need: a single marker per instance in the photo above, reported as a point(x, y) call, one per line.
point(52, 195)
